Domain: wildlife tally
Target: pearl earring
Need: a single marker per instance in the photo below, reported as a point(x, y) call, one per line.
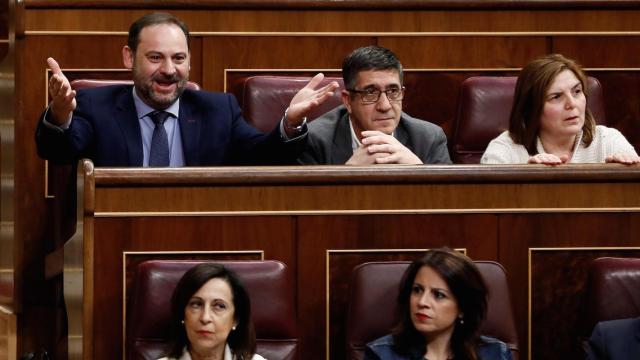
point(461, 320)
point(182, 322)
point(233, 328)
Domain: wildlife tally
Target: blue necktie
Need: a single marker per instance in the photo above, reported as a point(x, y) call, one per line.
point(159, 152)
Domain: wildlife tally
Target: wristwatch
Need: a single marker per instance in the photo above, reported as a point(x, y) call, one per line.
point(299, 128)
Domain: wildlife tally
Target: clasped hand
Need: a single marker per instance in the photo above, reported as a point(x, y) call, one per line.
point(380, 148)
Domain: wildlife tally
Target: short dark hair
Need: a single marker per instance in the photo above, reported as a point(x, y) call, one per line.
point(534, 81)
point(368, 58)
point(468, 288)
point(242, 340)
point(154, 19)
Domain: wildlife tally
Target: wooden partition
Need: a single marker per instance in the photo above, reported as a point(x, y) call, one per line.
point(543, 224)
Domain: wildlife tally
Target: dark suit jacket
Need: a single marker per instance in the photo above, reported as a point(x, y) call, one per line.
point(329, 140)
point(615, 340)
point(105, 128)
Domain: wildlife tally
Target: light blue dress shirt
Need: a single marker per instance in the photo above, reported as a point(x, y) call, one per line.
point(171, 126)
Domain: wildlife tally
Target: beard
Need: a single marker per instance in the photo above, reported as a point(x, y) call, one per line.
point(144, 88)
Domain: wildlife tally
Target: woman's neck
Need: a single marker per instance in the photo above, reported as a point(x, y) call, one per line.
point(216, 354)
point(439, 347)
point(558, 145)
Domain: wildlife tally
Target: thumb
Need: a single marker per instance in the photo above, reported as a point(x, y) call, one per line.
point(53, 65)
point(564, 158)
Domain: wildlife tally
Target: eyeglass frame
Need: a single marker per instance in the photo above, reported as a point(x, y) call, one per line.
point(379, 92)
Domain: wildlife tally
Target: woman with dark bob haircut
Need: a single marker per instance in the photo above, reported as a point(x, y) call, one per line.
point(551, 124)
point(211, 316)
point(441, 303)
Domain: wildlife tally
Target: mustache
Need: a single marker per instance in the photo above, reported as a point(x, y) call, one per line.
point(164, 78)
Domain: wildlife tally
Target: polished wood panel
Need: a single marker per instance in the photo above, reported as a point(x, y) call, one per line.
point(287, 52)
point(465, 52)
point(323, 234)
point(8, 335)
point(306, 20)
point(320, 4)
point(600, 51)
point(520, 232)
point(563, 307)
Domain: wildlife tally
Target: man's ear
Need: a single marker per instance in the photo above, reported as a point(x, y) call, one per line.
point(346, 100)
point(127, 57)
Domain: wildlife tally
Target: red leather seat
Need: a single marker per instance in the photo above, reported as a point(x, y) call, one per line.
point(93, 83)
point(372, 302)
point(265, 98)
point(613, 290)
point(268, 283)
point(484, 106)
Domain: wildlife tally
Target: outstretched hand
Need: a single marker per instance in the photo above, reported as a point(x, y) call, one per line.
point(63, 101)
point(309, 98)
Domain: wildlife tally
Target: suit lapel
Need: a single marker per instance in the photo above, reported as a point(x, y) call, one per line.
point(127, 119)
point(189, 131)
point(402, 135)
point(342, 149)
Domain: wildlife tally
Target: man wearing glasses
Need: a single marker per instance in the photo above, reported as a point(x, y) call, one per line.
point(370, 128)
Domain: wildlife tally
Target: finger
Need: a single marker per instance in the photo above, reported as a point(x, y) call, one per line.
point(53, 65)
point(315, 81)
point(329, 88)
point(391, 159)
point(386, 148)
point(70, 96)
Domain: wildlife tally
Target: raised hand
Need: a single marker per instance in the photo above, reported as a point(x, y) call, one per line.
point(309, 98)
point(394, 152)
point(63, 101)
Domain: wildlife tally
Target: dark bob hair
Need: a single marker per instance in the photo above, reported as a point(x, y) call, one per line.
point(469, 290)
point(242, 340)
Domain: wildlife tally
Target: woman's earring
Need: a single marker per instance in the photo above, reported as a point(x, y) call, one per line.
point(182, 322)
point(233, 327)
point(461, 320)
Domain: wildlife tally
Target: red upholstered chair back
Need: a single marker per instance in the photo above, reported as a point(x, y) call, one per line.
point(372, 303)
point(93, 83)
point(270, 288)
point(484, 106)
point(265, 98)
point(613, 290)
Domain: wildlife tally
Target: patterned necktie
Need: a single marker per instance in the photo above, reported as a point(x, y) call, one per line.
point(159, 152)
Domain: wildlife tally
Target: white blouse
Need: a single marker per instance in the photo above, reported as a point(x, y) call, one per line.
point(228, 355)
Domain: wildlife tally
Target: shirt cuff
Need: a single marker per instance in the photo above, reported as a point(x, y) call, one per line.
point(53, 126)
point(286, 138)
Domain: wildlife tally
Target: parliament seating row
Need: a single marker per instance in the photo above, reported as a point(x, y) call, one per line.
point(614, 293)
point(373, 291)
point(484, 105)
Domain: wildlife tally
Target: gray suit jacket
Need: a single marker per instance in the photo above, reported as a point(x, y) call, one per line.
point(329, 139)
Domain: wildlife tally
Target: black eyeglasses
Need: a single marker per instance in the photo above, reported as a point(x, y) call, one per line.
point(371, 96)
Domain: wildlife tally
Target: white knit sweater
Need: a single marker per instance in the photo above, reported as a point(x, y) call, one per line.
point(606, 142)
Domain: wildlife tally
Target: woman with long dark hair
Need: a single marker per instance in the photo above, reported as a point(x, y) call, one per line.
point(441, 303)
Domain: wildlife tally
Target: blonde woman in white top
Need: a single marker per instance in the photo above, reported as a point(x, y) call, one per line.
point(211, 317)
point(550, 123)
